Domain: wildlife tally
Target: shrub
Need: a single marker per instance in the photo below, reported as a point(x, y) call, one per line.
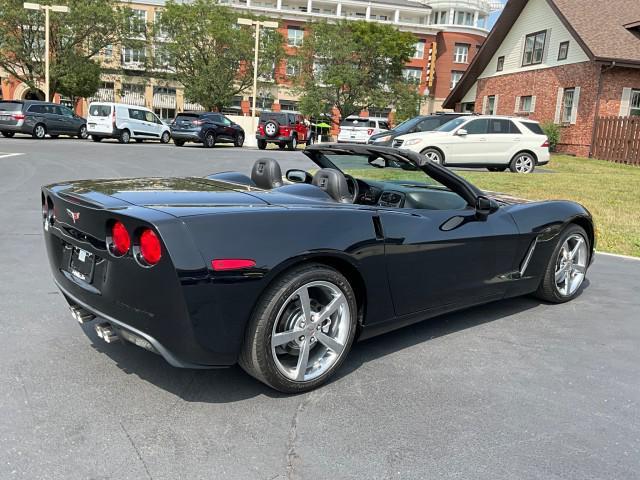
point(552, 131)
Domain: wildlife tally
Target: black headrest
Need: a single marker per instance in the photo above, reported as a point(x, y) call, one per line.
point(334, 183)
point(266, 173)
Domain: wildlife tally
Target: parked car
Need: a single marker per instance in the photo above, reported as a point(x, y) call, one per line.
point(40, 119)
point(125, 122)
point(359, 129)
point(421, 123)
point(209, 272)
point(492, 142)
point(207, 128)
point(283, 129)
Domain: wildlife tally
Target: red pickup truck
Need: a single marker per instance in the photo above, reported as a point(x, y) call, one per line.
point(283, 129)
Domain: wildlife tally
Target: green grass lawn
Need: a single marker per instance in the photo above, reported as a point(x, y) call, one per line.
point(610, 191)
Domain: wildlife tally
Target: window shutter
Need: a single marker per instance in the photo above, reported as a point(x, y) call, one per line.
point(484, 105)
point(558, 105)
point(517, 107)
point(495, 105)
point(533, 104)
point(625, 103)
point(574, 108)
point(547, 41)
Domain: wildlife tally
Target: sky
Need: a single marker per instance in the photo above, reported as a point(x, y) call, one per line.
point(494, 16)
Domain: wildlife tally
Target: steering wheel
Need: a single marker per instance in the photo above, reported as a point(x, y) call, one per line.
point(354, 188)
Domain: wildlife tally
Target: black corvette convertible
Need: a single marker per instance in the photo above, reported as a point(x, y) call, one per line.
point(281, 275)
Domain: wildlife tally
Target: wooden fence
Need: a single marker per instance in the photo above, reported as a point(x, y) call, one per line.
point(617, 139)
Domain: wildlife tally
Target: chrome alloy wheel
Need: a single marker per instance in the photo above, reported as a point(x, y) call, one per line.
point(311, 331)
point(433, 156)
point(571, 265)
point(524, 164)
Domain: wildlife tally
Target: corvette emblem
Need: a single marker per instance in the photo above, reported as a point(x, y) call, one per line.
point(74, 215)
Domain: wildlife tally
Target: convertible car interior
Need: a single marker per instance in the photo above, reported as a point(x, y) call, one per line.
point(332, 185)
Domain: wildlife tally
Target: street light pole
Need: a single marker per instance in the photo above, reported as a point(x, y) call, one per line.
point(47, 9)
point(257, 24)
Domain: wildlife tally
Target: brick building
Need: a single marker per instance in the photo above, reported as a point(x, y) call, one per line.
point(448, 33)
point(564, 61)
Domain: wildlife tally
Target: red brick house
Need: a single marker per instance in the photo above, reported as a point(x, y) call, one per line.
point(565, 61)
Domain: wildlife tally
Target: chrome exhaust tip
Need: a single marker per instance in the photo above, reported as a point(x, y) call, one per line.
point(81, 315)
point(106, 332)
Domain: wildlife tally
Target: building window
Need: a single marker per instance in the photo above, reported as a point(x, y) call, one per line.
point(455, 78)
point(107, 52)
point(491, 105)
point(500, 65)
point(534, 48)
point(567, 105)
point(419, 53)
point(563, 51)
point(133, 55)
point(289, 106)
point(294, 36)
point(525, 104)
point(293, 68)
point(138, 22)
point(464, 18)
point(412, 75)
point(635, 103)
point(461, 53)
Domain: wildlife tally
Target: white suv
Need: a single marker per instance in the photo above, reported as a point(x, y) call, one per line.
point(125, 122)
point(492, 142)
point(359, 130)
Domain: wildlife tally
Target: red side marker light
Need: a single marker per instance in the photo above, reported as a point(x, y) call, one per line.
point(232, 264)
point(545, 144)
point(150, 248)
point(121, 242)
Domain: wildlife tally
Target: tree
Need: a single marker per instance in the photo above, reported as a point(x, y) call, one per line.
point(211, 54)
point(76, 37)
point(352, 66)
point(77, 77)
point(406, 101)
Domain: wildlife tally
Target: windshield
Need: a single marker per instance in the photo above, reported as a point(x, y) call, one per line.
point(451, 125)
point(407, 124)
point(376, 167)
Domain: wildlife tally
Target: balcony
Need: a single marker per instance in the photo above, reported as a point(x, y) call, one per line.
point(103, 95)
point(164, 100)
point(133, 98)
point(193, 107)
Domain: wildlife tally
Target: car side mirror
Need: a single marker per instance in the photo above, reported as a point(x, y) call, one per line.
point(462, 132)
point(485, 206)
point(298, 176)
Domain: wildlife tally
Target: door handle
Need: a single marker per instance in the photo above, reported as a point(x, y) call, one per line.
point(482, 139)
point(516, 139)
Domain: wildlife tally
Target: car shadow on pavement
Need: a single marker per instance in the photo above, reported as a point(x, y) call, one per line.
point(227, 385)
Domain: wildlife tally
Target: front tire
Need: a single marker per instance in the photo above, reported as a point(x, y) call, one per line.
point(523, 162)
point(434, 155)
point(567, 266)
point(8, 134)
point(496, 169)
point(301, 330)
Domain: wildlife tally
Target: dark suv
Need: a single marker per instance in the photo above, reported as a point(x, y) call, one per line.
point(38, 119)
point(283, 129)
point(422, 123)
point(207, 128)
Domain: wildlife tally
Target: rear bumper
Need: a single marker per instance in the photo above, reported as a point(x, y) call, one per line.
point(21, 128)
point(193, 136)
point(278, 139)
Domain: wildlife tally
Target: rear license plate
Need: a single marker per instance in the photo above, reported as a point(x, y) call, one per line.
point(92, 125)
point(81, 264)
point(4, 117)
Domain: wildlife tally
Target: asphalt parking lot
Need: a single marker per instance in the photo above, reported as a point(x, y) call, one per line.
point(511, 390)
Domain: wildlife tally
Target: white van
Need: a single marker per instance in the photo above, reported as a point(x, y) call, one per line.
point(359, 129)
point(125, 122)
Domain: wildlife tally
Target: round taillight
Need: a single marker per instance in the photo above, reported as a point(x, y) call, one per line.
point(150, 249)
point(120, 240)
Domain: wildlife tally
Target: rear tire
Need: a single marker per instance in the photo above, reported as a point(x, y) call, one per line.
point(293, 143)
point(95, 138)
point(139, 140)
point(165, 137)
point(434, 155)
point(239, 140)
point(262, 144)
point(280, 311)
point(8, 134)
point(209, 140)
point(496, 169)
point(282, 145)
point(39, 131)
point(124, 137)
point(54, 136)
point(522, 162)
point(178, 143)
point(567, 266)
point(82, 134)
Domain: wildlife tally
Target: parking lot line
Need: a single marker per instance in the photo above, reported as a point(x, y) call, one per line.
point(5, 155)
